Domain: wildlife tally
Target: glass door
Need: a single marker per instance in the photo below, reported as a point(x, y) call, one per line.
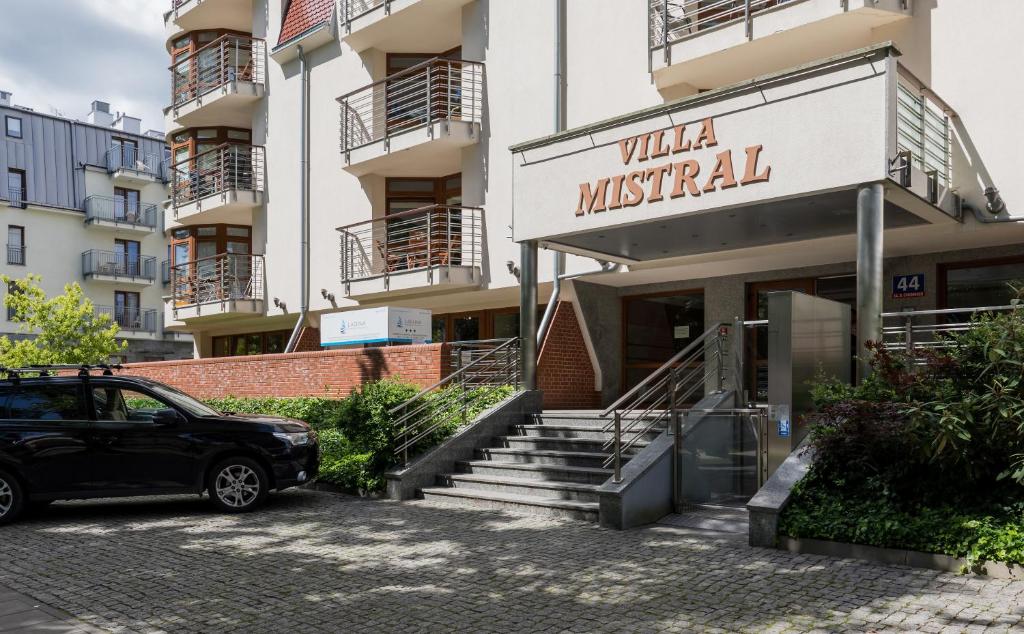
point(656, 327)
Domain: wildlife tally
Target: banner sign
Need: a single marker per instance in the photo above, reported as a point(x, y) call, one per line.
point(385, 324)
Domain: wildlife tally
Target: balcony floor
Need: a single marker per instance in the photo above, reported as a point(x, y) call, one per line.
point(421, 25)
point(217, 311)
point(119, 227)
point(228, 105)
point(234, 206)
point(122, 280)
point(436, 279)
point(429, 151)
point(133, 178)
point(193, 15)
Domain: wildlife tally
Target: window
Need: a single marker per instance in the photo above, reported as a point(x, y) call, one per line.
point(979, 283)
point(13, 126)
point(273, 342)
point(48, 402)
point(116, 404)
point(126, 310)
point(126, 204)
point(16, 245)
point(16, 192)
point(500, 323)
point(655, 328)
point(127, 254)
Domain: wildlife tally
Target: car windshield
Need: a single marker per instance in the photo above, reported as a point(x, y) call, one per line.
point(182, 400)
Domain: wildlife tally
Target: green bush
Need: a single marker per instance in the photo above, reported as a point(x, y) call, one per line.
point(320, 413)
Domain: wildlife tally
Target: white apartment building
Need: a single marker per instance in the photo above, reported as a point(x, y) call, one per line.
point(82, 201)
point(690, 155)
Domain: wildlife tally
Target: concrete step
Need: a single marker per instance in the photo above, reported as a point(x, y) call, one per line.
point(540, 472)
point(470, 498)
point(719, 519)
point(595, 445)
point(594, 432)
point(567, 419)
point(522, 486)
point(550, 457)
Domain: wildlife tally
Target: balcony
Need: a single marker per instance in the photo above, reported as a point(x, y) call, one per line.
point(217, 286)
point(121, 215)
point(218, 84)
point(119, 267)
point(131, 168)
point(415, 122)
point(16, 254)
point(432, 249)
point(402, 25)
point(222, 185)
point(16, 198)
point(165, 272)
point(132, 321)
point(712, 43)
point(193, 15)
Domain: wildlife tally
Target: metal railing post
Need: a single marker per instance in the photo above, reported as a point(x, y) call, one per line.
point(749, 22)
point(674, 429)
point(664, 32)
point(909, 337)
point(719, 363)
point(430, 101)
point(617, 450)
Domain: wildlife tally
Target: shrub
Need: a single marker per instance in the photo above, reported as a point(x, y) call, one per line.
point(320, 413)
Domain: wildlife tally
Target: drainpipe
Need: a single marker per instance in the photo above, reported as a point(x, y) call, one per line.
point(303, 203)
point(558, 258)
point(996, 208)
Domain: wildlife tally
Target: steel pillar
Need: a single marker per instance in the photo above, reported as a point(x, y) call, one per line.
point(870, 219)
point(528, 312)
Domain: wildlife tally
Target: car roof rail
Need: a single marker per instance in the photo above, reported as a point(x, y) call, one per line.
point(84, 369)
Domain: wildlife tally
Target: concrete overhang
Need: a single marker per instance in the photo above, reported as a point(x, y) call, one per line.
point(428, 151)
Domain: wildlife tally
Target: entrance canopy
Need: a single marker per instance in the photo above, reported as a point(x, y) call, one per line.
point(773, 160)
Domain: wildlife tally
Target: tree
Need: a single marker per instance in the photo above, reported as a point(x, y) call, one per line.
point(66, 328)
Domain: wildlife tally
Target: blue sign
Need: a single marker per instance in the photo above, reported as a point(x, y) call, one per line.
point(783, 427)
point(911, 285)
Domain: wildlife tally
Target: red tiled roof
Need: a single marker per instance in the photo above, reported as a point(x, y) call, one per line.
point(302, 15)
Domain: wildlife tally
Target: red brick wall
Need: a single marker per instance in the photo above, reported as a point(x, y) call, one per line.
point(309, 340)
point(323, 373)
point(564, 370)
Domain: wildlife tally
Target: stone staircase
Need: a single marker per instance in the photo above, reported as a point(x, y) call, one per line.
point(550, 465)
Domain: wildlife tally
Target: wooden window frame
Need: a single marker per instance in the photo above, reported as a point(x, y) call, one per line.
point(942, 298)
point(221, 238)
point(264, 335)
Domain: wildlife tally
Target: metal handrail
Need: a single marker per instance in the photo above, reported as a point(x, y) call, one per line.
point(234, 58)
point(128, 157)
point(118, 264)
point(670, 21)
point(120, 210)
point(217, 278)
point(909, 335)
point(17, 197)
point(424, 238)
point(433, 90)
point(137, 319)
point(16, 254)
point(498, 366)
point(364, 7)
point(217, 170)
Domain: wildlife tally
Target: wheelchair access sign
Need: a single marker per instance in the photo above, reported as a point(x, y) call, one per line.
point(911, 285)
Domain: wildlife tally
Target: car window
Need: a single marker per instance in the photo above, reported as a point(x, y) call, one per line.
point(182, 400)
point(48, 402)
point(118, 404)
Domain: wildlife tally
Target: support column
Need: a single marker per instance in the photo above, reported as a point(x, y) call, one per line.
point(528, 312)
point(870, 217)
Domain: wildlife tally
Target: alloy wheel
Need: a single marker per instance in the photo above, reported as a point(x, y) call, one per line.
point(6, 497)
point(237, 486)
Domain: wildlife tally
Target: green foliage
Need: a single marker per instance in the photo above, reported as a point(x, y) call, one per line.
point(321, 413)
point(66, 327)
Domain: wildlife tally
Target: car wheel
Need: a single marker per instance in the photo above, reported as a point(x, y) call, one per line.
point(12, 498)
point(238, 485)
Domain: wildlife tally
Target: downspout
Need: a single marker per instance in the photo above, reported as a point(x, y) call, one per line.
point(558, 258)
point(996, 208)
point(293, 341)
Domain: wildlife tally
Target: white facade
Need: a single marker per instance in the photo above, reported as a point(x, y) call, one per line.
point(820, 133)
point(90, 211)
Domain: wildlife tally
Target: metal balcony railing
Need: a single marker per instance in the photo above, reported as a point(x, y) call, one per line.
point(133, 319)
point(118, 264)
point(120, 210)
point(352, 9)
point(16, 254)
point(923, 129)
point(16, 196)
point(916, 331)
point(227, 59)
point(128, 158)
point(230, 166)
point(224, 277)
point(165, 272)
point(432, 236)
point(670, 21)
point(434, 90)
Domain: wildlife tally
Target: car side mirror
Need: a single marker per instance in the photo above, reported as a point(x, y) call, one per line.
point(166, 417)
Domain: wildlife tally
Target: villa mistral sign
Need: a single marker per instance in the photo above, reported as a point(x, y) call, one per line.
point(385, 324)
point(814, 130)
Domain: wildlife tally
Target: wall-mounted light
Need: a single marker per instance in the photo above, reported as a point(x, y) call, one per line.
point(279, 304)
point(328, 296)
point(512, 268)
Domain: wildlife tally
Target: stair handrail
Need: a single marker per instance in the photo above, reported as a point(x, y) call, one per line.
point(663, 386)
point(410, 429)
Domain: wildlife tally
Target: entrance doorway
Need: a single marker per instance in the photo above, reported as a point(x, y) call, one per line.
point(839, 288)
point(656, 327)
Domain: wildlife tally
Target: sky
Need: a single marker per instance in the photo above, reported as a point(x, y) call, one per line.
point(60, 55)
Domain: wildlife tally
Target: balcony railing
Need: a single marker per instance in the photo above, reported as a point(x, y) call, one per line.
point(16, 196)
point(165, 272)
point(133, 319)
point(231, 166)
point(670, 21)
point(120, 210)
point(118, 264)
point(433, 236)
point(434, 90)
point(352, 9)
point(16, 254)
point(224, 277)
point(923, 129)
point(227, 59)
point(128, 158)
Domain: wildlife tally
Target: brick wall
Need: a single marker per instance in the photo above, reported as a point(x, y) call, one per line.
point(309, 340)
point(322, 373)
point(564, 370)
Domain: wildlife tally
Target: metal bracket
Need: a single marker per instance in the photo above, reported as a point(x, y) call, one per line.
point(901, 165)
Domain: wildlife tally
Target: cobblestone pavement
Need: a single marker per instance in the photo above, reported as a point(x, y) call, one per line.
point(315, 562)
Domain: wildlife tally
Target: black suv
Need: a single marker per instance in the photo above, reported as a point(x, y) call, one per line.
point(100, 435)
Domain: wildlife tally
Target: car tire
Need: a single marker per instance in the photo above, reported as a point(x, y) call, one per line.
point(12, 498)
point(238, 485)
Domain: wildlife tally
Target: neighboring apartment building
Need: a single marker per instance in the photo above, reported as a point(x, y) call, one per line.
point(82, 202)
point(415, 199)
